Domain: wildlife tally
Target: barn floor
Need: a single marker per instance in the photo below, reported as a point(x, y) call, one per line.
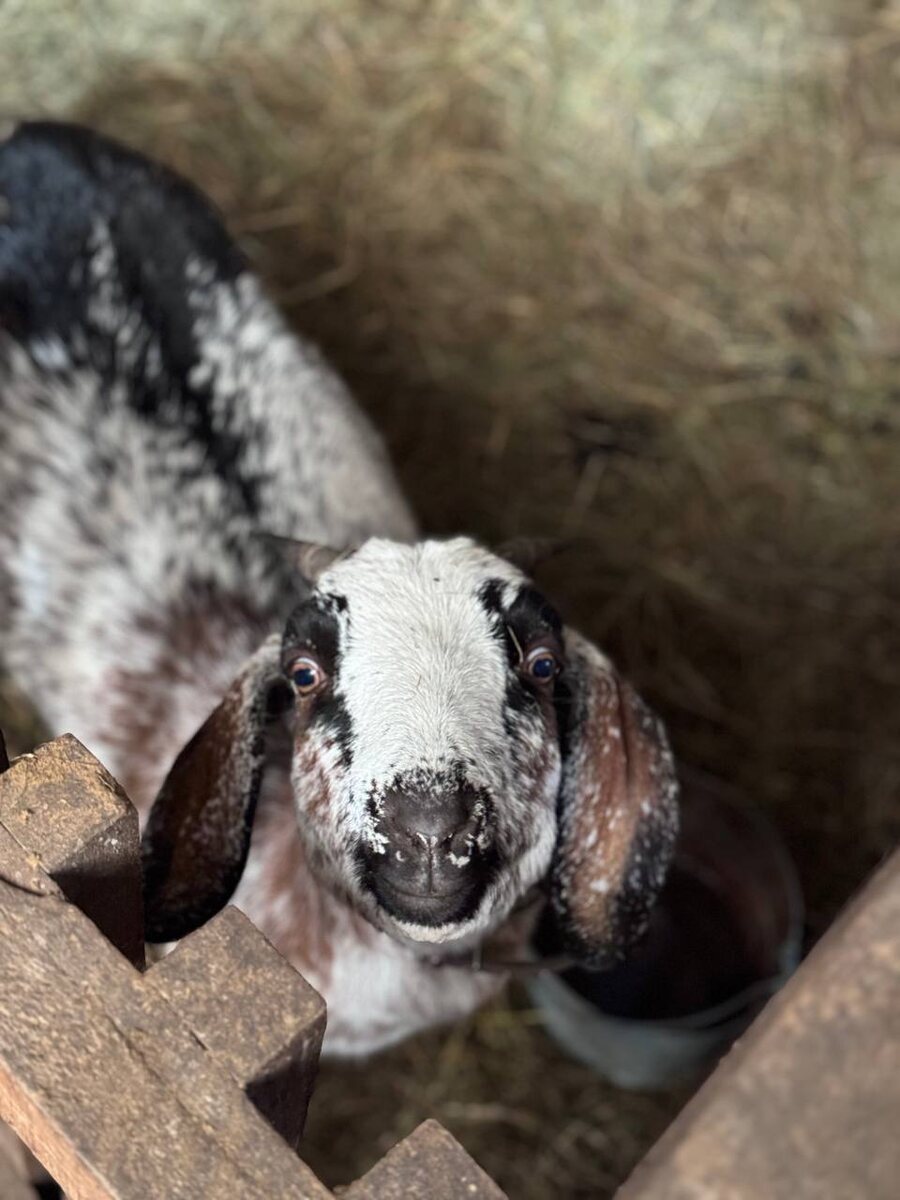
point(629, 273)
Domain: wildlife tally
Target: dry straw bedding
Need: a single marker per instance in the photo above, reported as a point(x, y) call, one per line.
point(626, 272)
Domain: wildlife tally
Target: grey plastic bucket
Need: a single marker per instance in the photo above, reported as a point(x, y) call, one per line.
point(736, 852)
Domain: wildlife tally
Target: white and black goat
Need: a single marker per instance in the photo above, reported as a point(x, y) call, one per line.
point(389, 757)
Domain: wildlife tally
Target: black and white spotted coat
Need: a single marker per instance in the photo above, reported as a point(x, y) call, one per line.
point(157, 417)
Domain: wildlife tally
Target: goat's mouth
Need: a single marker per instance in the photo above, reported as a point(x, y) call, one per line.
point(431, 908)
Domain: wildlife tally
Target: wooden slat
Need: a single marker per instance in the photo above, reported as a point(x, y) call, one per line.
point(128, 1085)
point(429, 1163)
point(102, 1079)
point(61, 804)
point(807, 1105)
point(251, 1009)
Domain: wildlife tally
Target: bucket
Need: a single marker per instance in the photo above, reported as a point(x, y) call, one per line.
point(726, 933)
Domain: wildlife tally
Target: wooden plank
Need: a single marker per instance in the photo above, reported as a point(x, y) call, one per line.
point(250, 1009)
point(21, 869)
point(61, 804)
point(429, 1163)
point(102, 1079)
point(16, 1161)
point(127, 1085)
point(807, 1105)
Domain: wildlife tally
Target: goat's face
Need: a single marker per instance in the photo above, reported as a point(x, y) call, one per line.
point(453, 745)
point(426, 761)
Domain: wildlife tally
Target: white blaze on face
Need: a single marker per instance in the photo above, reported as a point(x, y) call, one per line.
point(422, 676)
point(422, 671)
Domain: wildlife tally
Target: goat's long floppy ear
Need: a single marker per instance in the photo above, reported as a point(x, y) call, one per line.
point(618, 810)
point(198, 834)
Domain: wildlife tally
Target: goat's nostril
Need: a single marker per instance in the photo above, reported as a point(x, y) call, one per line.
point(435, 826)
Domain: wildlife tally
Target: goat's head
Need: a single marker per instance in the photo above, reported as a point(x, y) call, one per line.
point(453, 746)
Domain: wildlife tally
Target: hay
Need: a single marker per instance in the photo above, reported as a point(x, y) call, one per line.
point(629, 272)
point(538, 1124)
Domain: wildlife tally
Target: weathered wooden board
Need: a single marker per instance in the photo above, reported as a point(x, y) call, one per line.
point(251, 1010)
point(807, 1105)
point(61, 804)
point(107, 1085)
point(128, 1085)
point(430, 1164)
point(100, 1073)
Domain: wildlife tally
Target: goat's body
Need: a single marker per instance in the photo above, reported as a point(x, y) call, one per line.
point(155, 414)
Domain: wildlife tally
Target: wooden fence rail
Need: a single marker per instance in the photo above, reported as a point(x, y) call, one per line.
point(806, 1106)
point(192, 1078)
point(189, 1079)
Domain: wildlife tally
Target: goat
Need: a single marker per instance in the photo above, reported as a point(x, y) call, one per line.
point(392, 755)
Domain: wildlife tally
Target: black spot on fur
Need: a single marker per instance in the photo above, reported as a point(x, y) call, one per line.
point(58, 181)
point(61, 184)
point(490, 596)
point(531, 615)
point(332, 713)
point(313, 626)
point(567, 715)
point(528, 618)
point(279, 698)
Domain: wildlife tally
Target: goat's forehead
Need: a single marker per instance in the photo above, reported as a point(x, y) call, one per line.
point(422, 663)
point(436, 583)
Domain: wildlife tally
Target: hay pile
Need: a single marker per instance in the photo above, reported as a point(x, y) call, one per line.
point(629, 272)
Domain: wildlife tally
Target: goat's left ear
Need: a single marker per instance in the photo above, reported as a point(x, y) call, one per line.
point(198, 833)
point(618, 813)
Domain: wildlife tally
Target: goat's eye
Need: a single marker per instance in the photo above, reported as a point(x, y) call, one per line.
point(542, 665)
point(306, 675)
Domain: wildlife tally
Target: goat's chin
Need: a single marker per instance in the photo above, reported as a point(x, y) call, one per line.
point(458, 933)
point(452, 936)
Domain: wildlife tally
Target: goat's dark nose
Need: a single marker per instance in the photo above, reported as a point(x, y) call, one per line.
point(431, 868)
point(434, 825)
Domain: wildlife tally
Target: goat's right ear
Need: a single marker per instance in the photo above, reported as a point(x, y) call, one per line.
point(198, 833)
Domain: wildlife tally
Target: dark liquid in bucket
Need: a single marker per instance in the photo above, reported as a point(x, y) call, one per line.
point(694, 957)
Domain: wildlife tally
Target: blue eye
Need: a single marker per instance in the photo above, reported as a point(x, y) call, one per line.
point(542, 665)
point(305, 675)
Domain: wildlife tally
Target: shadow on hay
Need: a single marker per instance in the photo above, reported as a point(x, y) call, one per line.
point(724, 445)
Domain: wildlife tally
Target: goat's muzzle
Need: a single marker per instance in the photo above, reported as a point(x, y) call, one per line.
point(434, 869)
